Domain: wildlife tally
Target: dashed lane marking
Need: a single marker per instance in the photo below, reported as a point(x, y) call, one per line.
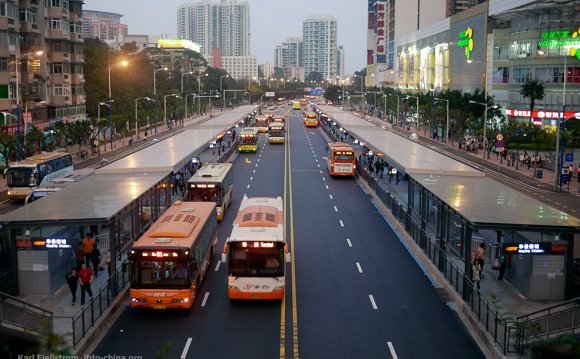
point(204, 299)
point(359, 267)
point(330, 196)
point(373, 303)
point(186, 349)
point(217, 266)
point(349, 243)
point(335, 209)
point(392, 350)
point(341, 224)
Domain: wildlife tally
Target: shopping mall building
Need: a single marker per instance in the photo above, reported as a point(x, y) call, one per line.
point(497, 47)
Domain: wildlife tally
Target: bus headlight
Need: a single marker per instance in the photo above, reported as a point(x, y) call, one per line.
point(233, 287)
point(139, 300)
point(179, 301)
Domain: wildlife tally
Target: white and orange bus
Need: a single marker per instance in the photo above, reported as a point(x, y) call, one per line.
point(169, 262)
point(276, 132)
point(341, 159)
point(256, 252)
point(311, 119)
point(213, 182)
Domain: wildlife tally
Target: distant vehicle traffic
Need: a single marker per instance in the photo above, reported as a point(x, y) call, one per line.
point(36, 171)
point(214, 182)
point(296, 105)
point(256, 251)
point(170, 261)
point(341, 159)
point(276, 132)
point(248, 140)
point(311, 119)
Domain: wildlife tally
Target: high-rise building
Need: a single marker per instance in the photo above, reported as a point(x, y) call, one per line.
point(457, 6)
point(41, 87)
point(320, 46)
point(340, 62)
point(289, 53)
point(225, 26)
point(103, 25)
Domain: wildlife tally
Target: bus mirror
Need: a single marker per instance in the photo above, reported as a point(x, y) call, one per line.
point(287, 257)
point(224, 257)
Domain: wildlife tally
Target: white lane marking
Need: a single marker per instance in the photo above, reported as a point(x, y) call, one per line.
point(217, 266)
point(359, 267)
point(373, 301)
point(256, 165)
point(320, 172)
point(324, 179)
point(392, 350)
point(248, 186)
point(254, 171)
point(251, 178)
point(186, 349)
point(204, 299)
point(330, 196)
point(318, 166)
point(327, 187)
point(314, 156)
point(316, 160)
point(261, 154)
point(349, 243)
point(258, 160)
point(341, 224)
point(335, 209)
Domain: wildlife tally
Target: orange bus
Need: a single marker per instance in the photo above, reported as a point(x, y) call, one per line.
point(256, 251)
point(311, 119)
point(170, 261)
point(341, 159)
point(303, 101)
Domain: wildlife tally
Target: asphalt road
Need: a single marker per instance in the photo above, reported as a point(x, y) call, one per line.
point(353, 289)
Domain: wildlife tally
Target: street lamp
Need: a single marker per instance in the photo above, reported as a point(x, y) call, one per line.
point(398, 108)
point(165, 105)
point(199, 88)
point(193, 98)
point(155, 71)
point(110, 106)
point(417, 98)
point(18, 59)
point(183, 74)
point(484, 123)
point(136, 122)
point(447, 125)
point(123, 63)
point(221, 84)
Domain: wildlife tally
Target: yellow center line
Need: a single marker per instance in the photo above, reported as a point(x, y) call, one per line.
point(293, 262)
point(283, 306)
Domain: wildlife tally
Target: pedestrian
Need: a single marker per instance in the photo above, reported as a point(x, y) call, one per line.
point(480, 255)
point(476, 273)
point(80, 254)
point(578, 172)
point(96, 259)
point(89, 243)
point(85, 280)
point(397, 175)
point(502, 266)
point(72, 279)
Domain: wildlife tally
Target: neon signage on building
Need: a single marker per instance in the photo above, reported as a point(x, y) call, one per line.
point(466, 41)
point(564, 38)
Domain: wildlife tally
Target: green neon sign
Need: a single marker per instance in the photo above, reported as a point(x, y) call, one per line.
point(466, 41)
point(564, 38)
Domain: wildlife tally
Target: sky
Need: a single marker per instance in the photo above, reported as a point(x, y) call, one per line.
point(271, 22)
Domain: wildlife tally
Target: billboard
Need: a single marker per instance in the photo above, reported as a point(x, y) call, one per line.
point(381, 31)
point(170, 44)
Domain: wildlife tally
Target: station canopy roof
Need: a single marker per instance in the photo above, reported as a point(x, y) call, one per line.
point(94, 198)
point(407, 156)
point(488, 203)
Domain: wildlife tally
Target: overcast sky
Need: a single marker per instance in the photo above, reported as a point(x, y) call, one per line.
point(272, 21)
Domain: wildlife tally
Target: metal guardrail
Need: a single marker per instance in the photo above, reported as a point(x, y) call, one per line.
point(74, 329)
point(7, 284)
point(15, 313)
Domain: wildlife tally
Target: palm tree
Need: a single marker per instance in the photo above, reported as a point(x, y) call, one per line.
point(534, 90)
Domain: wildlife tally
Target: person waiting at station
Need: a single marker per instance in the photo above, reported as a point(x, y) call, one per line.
point(89, 244)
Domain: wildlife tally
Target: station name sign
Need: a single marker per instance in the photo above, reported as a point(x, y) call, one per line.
point(535, 248)
point(52, 243)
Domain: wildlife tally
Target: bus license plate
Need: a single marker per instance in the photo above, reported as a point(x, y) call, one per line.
point(158, 307)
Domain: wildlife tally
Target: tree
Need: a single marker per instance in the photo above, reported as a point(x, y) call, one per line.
point(7, 146)
point(314, 76)
point(33, 141)
point(129, 47)
point(332, 93)
point(534, 90)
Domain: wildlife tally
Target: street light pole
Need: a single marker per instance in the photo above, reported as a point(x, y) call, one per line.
point(484, 124)
point(447, 125)
point(155, 71)
point(111, 66)
point(136, 116)
point(417, 98)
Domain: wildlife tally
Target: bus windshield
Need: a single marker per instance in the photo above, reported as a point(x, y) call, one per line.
point(20, 177)
point(277, 131)
point(207, 193)
point(158, 274)
point(343, 156)
point(248, 140)
point(248, 261)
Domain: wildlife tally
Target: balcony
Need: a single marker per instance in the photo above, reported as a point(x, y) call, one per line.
point(58, 56)
point(56, 34)
point(77, 58)
point(78, 99)
point(60, 79)
point(77, 79)
point(55, 12)
point(76, 37)
point(60, 100)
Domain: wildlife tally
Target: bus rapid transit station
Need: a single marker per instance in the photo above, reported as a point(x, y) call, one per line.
point(123, 198)
point(460, 207)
